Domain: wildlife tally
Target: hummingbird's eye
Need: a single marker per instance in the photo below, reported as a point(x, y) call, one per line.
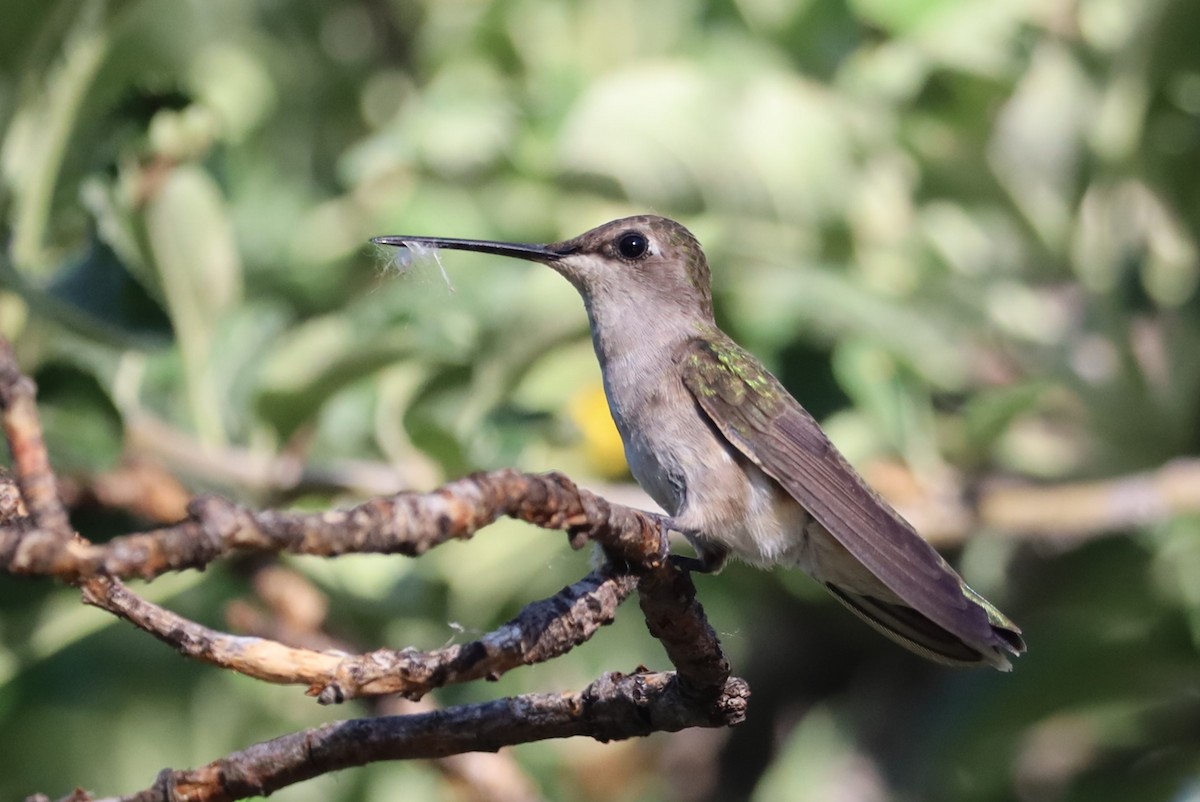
point(633, 245)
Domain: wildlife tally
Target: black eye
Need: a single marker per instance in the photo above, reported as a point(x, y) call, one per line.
point(633, 245)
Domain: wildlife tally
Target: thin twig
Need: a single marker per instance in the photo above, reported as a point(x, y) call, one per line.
point(543, 630)
point(481, 776)
point(409, 523)
point(273, 475)
point(30, 458)
point(296, 613)
point(12, 509)
point(674, 616)
point(35, 538)
point(139, 486)
point(948, 511)
point(614, 707)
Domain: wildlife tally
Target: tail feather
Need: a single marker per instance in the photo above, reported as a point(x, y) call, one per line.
point(915, 632)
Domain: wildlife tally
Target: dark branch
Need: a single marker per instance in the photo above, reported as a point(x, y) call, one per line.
point(674, 616)
point(36, 539)
point(542, 631)
point(30, 458)
point(409, 523)
point(613, 707)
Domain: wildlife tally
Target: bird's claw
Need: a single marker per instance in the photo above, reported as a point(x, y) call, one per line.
point(691, 565)
point(708, 561)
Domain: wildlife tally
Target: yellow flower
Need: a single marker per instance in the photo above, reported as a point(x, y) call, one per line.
point(588, 409)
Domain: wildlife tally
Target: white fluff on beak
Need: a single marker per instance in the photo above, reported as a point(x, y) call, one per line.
point(403, 260)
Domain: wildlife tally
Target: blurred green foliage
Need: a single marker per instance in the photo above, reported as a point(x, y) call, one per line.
point(964, 232)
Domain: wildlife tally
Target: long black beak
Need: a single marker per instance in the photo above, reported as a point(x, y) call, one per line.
point(519, 250)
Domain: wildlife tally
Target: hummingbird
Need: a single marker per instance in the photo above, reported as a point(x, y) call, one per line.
point(739, 466)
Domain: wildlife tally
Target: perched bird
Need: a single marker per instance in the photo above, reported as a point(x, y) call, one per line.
point(740, 467)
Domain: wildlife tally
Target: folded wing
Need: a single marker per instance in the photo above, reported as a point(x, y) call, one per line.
point(760, 418)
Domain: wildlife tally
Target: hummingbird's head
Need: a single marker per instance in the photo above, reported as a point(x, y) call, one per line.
point(645, 258)
point(631, 263)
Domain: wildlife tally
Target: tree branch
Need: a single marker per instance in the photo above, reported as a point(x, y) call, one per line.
point(673, 615)
point(542, 631)
point(408, 523)
point(614, 707)
point(295, 613)
point(34, 476)
point(36, 539)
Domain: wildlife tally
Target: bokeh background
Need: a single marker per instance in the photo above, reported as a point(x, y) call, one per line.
point(963, 232)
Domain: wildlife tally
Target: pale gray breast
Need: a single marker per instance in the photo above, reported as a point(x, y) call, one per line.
point(648, 417)
point(666, 439)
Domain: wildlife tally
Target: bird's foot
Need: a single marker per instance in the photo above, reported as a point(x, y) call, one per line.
point(707, 563)
point(710, 559)
point(691, 565)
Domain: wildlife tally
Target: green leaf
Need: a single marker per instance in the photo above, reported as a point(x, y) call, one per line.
point(988, 415)
point(189, 237)
point(900, 15)
point(84, 430)
point(883, 389)
point(433, 415)
point(191, 240)
point(96, 296)
point(316, 362)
